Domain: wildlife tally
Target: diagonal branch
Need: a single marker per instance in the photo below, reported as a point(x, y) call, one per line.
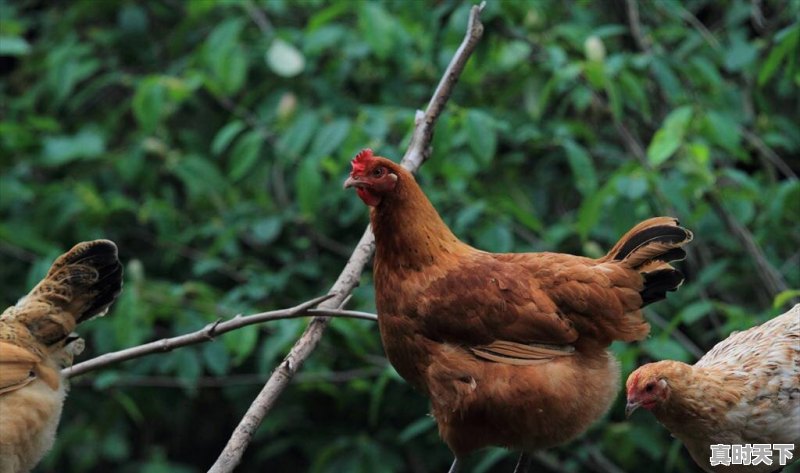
point(772, 281)
point(210, 331)
point(418, 152)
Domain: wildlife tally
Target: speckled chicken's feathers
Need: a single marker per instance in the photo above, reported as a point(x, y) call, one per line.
point(81, 284)
point(36, 343)
point(767, 359)
point(745, 390)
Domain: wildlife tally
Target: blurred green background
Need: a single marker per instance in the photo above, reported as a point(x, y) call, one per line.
point(210, 139)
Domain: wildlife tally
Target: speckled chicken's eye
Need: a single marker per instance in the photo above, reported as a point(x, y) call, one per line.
point(377, 172)
point(649, 387)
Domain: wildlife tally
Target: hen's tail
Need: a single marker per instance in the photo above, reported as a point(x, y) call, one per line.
point(649, 247)
point(81, 284)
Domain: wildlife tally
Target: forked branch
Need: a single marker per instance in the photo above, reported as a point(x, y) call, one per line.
point(210, 331)
point(418, 151)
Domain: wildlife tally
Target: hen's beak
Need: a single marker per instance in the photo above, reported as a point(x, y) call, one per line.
point(351, 182)
point(630, 407)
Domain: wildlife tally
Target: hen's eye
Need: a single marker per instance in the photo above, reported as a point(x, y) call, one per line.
point(649, 387)
point(377, 172)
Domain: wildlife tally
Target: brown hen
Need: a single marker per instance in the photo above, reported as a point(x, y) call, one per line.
point(510, 348)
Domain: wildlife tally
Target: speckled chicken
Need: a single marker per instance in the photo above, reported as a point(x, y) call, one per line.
point(746, 390)
point(36, 342)
point(511, 348)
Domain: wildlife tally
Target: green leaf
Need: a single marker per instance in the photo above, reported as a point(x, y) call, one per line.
point(695, 311)
point(265, 230)
point(496, 238)
point(740, 54)
point(14, 46)
point(308, 182)
point(414, 429)
point(667, 79)
point(582, 168)
point(787, 45)
point(148, 102)
point(216, 358)
point(284, 59)
point(226, 57)
point(241, 342)
point(293, 141)
point(329, 138)
point(245, 155)
point(723, 130)
point(784, 297)
point(377, 28)
point(200, 176)
point(225, 135)
point(482, 136)
point(59, 150)
point(670, 136)
point(666, 349)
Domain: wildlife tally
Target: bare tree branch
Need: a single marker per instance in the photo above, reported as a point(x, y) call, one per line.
point(772, 280)
point(417, 153)
point(632, 7)
point(419, 148)
point(675, 333)
point(771, 156)
point(205, 382)
point(212, 330)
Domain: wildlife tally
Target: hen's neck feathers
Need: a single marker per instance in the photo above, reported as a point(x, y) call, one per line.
point(409, 230)
point(699, 398)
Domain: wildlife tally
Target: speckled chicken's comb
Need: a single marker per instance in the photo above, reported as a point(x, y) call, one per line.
point(361, 160)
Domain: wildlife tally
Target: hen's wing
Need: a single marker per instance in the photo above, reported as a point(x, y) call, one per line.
point(16, 367)
point(528, 308)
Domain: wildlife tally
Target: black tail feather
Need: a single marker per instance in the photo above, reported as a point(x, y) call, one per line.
point(658, 283)
point(658, 234)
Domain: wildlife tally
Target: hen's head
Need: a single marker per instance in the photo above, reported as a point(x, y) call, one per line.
point(373, 177)
point(649, 386)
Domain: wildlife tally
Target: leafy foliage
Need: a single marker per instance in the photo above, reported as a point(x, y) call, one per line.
point(209, 139)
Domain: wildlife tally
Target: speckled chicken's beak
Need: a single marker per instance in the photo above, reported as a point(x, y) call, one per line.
point(630, 407)
point(351, 182)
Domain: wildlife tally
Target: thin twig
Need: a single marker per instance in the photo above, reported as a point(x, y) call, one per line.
point(689, 17)
point(632, 7)
point(259, 18)
point(417, 153)
point(767, 153)
point(212, 330)
point(771, 279)
point(679, 336)
point(602, 462)
point(419, 148)
point(205, 382)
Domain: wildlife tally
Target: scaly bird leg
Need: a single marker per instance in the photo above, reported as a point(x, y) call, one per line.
point(455, 466)
point(523, 463)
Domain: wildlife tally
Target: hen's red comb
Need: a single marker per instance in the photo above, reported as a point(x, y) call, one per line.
point(361, 160)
